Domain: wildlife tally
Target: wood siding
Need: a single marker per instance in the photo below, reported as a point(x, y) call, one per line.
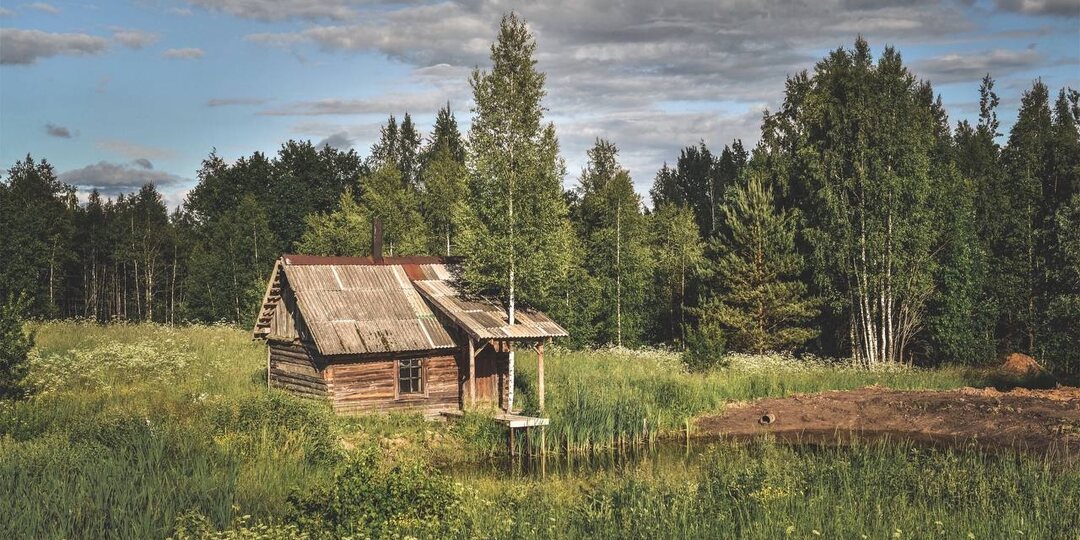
point(293, 368)
point(362, 385)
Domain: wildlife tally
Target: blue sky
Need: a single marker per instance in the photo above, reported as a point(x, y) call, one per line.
point(118, 93)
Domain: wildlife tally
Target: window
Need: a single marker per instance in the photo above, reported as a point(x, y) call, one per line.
point(410, 376)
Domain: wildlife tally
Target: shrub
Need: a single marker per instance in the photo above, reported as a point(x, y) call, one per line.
point(704, 347)
point(15, 347)
point(369, 500)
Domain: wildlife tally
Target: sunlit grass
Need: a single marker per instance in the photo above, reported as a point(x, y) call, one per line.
point(612, 398)
point(138, 425)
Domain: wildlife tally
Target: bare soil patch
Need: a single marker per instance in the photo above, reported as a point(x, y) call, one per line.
point(1038, 421)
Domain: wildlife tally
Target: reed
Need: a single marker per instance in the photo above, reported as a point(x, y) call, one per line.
point(610, 398)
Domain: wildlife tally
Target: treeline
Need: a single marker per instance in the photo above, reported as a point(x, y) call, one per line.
point(863, 223)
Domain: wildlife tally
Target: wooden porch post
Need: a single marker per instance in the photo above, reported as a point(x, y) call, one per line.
point(472, 373)
point(540, 372)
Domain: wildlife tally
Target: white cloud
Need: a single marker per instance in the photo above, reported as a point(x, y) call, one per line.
point(1061, 8)
point(190, 53)
point(277, 10)
point(393, 103)
point(957, 67)
point(24, 47)
point(44, 8)
point(134, 39)
point(115, 178)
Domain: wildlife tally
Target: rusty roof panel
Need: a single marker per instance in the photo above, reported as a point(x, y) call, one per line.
point(363, 309)
point(484, 319)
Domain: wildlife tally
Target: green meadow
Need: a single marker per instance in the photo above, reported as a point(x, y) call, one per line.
point(146, 431)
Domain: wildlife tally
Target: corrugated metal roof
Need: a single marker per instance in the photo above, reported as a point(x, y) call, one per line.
point(484, 319)
point(364, 309)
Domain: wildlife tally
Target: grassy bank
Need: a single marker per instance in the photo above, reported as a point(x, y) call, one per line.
point(139, 428)
point(600, 399)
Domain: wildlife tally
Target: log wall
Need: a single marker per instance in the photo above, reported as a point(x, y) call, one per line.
point(293, 368)
point(363, 385)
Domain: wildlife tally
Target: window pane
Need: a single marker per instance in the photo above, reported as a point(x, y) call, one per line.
point(410, 376)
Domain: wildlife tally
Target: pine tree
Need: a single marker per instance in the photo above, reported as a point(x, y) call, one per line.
point(614, 233)
point(345, 232)
point(516, 235)
point(764, 306)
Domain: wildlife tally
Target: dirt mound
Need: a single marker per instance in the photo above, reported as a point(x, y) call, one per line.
point(1020, 365)
point(1041, 421)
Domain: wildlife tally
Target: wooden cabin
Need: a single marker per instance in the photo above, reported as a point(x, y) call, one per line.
point(385, 334)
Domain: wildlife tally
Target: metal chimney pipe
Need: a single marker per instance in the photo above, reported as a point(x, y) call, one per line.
point(376, 240)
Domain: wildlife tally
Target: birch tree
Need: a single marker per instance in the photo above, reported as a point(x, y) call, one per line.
point(515, 234)
point(861, 141)
point(612, 227)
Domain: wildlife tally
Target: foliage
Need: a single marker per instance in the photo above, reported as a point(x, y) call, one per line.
point(229, 265)
point(445, 183)
point(387, 197)
point(15, 346)
point(35, 215)
point(863, 181)
point(762, 302)
point(344, 232)
point(516, 236)
point(613, 229)
point(679, 253)
point(369, 499)
point(705, 345)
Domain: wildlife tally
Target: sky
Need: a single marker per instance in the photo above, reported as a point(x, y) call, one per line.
point(118, 93)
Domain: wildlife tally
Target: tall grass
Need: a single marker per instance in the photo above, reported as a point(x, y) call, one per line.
point(763, 490)
point(612, 398)
point(136, 426)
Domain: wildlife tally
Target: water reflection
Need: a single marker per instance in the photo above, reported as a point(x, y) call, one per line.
point(661, 455)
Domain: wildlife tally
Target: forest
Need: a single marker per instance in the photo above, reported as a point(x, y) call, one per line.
point(864, 223)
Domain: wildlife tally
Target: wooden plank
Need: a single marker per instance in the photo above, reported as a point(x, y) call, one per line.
point(540, 373)
point(472, 372)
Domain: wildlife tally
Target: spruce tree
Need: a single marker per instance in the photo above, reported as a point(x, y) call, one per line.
point(1021, 253)
point(446, 134)
point(515, 235)
point(763, 305)
point(978, 159)
point(36, 212)
point(409, 150)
